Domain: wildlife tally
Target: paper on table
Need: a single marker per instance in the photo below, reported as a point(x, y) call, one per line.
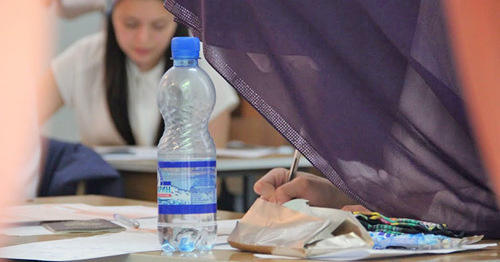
point(84, 247)
point(25, 230)
point(224, 228)
point(130, 241)
point(247, 153)
point(130, 153)
point(55, 212)
point(355, 254)
point(31, 229)
point(126, 152)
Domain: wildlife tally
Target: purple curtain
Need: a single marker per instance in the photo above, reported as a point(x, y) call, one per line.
point(365, 90)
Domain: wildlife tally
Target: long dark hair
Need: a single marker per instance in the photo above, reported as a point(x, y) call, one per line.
point(115, 80)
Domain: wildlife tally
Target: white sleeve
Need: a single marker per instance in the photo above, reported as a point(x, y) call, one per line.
point(74, 8)
point(64, 70)
point(226, 96)
point(70, 68)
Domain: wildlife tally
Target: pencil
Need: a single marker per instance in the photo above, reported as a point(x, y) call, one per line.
point(294, 166)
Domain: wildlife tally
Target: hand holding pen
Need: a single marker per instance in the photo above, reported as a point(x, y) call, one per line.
point(275, 186)
point(281, 185)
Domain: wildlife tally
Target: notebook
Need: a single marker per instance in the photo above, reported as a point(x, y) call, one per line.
point(76, 226)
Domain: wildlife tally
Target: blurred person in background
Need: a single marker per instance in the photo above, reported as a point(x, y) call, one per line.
point(110, 78)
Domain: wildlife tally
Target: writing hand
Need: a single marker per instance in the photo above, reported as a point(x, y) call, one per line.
point(274, 187)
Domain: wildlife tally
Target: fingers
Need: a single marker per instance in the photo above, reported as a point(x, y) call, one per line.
point(265, 190)
point(276, 188)
point(266, 186)
point(289, 191)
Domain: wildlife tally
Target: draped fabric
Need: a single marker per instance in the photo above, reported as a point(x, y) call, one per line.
point(365, 90)
point(66, 164)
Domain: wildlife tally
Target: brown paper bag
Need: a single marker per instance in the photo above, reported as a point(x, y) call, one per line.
point(296, 229)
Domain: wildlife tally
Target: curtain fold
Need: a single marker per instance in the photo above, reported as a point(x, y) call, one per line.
point(365, 90)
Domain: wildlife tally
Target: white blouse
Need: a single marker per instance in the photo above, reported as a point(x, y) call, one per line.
point(79, 75)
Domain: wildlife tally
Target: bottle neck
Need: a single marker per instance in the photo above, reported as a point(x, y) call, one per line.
point(191, 62)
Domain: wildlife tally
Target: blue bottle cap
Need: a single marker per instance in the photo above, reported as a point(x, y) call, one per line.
point(185, 47)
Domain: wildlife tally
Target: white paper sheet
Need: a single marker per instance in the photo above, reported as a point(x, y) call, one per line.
point(109, 153)
point(84, 247)
point(35, 229)
point(222, 244)
point(248, 152)
point(25, 230)
point(55, 212)
point(146, 239)
point(355, 254)
point(130, 153)
point(143, 239)
point(224, 227)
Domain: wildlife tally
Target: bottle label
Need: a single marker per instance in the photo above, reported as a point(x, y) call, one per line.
point(186, 187)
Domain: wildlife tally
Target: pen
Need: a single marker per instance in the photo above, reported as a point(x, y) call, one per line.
point(295, 165)
point(126, 220)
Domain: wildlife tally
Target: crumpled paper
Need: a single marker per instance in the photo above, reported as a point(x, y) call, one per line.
point(297, 229)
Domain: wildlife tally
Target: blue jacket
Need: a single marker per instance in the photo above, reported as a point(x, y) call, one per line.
point(65, 164)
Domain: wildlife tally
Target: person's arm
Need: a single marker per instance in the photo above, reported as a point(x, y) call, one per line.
point(24, 39)
point(49, 99)
point(275, 187)
point(74, 8)
point(219, 128)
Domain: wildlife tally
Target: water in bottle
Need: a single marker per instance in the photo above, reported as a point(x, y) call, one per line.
point(187, 197)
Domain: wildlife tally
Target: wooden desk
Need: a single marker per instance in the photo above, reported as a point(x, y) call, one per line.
point(140, 175)
point(490, 254)
point(95, 200)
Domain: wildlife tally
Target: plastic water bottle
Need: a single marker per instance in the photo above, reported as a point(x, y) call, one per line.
point(187, 197)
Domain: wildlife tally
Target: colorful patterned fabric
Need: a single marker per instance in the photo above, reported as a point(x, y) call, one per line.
point(374, 221)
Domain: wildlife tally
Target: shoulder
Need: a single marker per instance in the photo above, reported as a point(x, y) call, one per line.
point(89, 47)
point(93, 40)
point(79, 68)
point(85, 54)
